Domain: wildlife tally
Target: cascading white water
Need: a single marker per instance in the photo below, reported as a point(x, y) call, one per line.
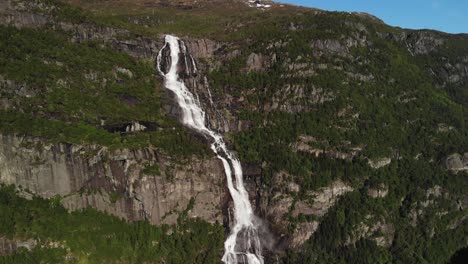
point(243, 243)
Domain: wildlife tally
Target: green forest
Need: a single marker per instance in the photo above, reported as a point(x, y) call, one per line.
point(89, 236)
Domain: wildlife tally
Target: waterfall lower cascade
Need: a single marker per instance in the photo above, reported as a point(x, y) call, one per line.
point(243, 244)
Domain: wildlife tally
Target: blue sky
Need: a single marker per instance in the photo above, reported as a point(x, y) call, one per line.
point(445, 15)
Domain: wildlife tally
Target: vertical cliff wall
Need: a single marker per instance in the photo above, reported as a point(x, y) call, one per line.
point(113, 181)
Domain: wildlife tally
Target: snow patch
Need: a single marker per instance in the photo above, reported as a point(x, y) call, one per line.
point(258, 4)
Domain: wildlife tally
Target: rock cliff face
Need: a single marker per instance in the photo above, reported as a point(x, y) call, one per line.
point(22, 15)
point(8, 246)
point(448, 71)
point(114, 181)
point(456, 162)
point(381, 232)
point(280, 202)
point(202, 48)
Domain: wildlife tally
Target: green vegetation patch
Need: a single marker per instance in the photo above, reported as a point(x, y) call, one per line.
point(64, 92)
point(89, 236)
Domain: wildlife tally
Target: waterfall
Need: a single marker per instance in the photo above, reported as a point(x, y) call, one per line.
point(243, 243)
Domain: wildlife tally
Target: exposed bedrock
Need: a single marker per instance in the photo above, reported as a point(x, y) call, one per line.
point(114, 181)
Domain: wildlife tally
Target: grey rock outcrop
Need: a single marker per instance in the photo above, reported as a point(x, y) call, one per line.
point(9, 246)
point(113, 181)
point(417, 42)
point(379, 163)
point(283, 203)
point(20, 16)
point(331, 46)
point(303, 232)
point(202, 48)
point(322, 200)
point(12, 93)
point(326, 197)
point(37, 15)
point(24, 19)
point(341, 47)
point(457, 162)
point(381, 232)
point(297, 98)
point(449, 71)
point(433, 197)
point(119, 39)
point(379, 192)
point(423, 42)
point(256, 62)
point(306, 144)
point(135, 127)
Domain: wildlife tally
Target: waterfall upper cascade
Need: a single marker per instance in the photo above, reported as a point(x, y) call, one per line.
point(243, 243)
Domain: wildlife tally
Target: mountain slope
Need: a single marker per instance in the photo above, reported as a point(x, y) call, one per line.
point(352, 134)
